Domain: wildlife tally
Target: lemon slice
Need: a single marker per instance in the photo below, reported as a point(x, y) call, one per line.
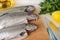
point(7, 5)
point(52, 26)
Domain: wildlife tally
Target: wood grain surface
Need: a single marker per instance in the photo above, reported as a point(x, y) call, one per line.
point(40, 33)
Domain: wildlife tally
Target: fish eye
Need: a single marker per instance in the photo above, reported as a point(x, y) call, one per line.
point(22, 33)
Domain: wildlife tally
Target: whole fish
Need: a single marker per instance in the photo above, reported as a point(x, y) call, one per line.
point(16, 30)
point(13, 31)
point(12, 19)
point(18, 9)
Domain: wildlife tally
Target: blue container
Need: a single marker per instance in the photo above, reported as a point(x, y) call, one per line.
point(52, 36)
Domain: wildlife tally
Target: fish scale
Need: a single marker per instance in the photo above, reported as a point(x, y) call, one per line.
point(11, 32)
point(12, 19)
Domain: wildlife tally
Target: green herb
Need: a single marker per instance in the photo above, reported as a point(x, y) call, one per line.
point(49, 6)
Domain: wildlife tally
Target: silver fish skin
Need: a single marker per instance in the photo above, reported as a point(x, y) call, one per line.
point(12, 19)
point(32, 16)
point(13, 31)
point(31, 27)
point(13, 9)
point(17, 9)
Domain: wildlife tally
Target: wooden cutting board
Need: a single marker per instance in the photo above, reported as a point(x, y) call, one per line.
point(40, 33)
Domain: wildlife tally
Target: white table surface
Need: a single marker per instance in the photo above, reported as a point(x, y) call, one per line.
point(28, 2)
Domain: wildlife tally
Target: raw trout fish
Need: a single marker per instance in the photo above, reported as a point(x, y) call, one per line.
point(13, 31)
point(7, 19)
